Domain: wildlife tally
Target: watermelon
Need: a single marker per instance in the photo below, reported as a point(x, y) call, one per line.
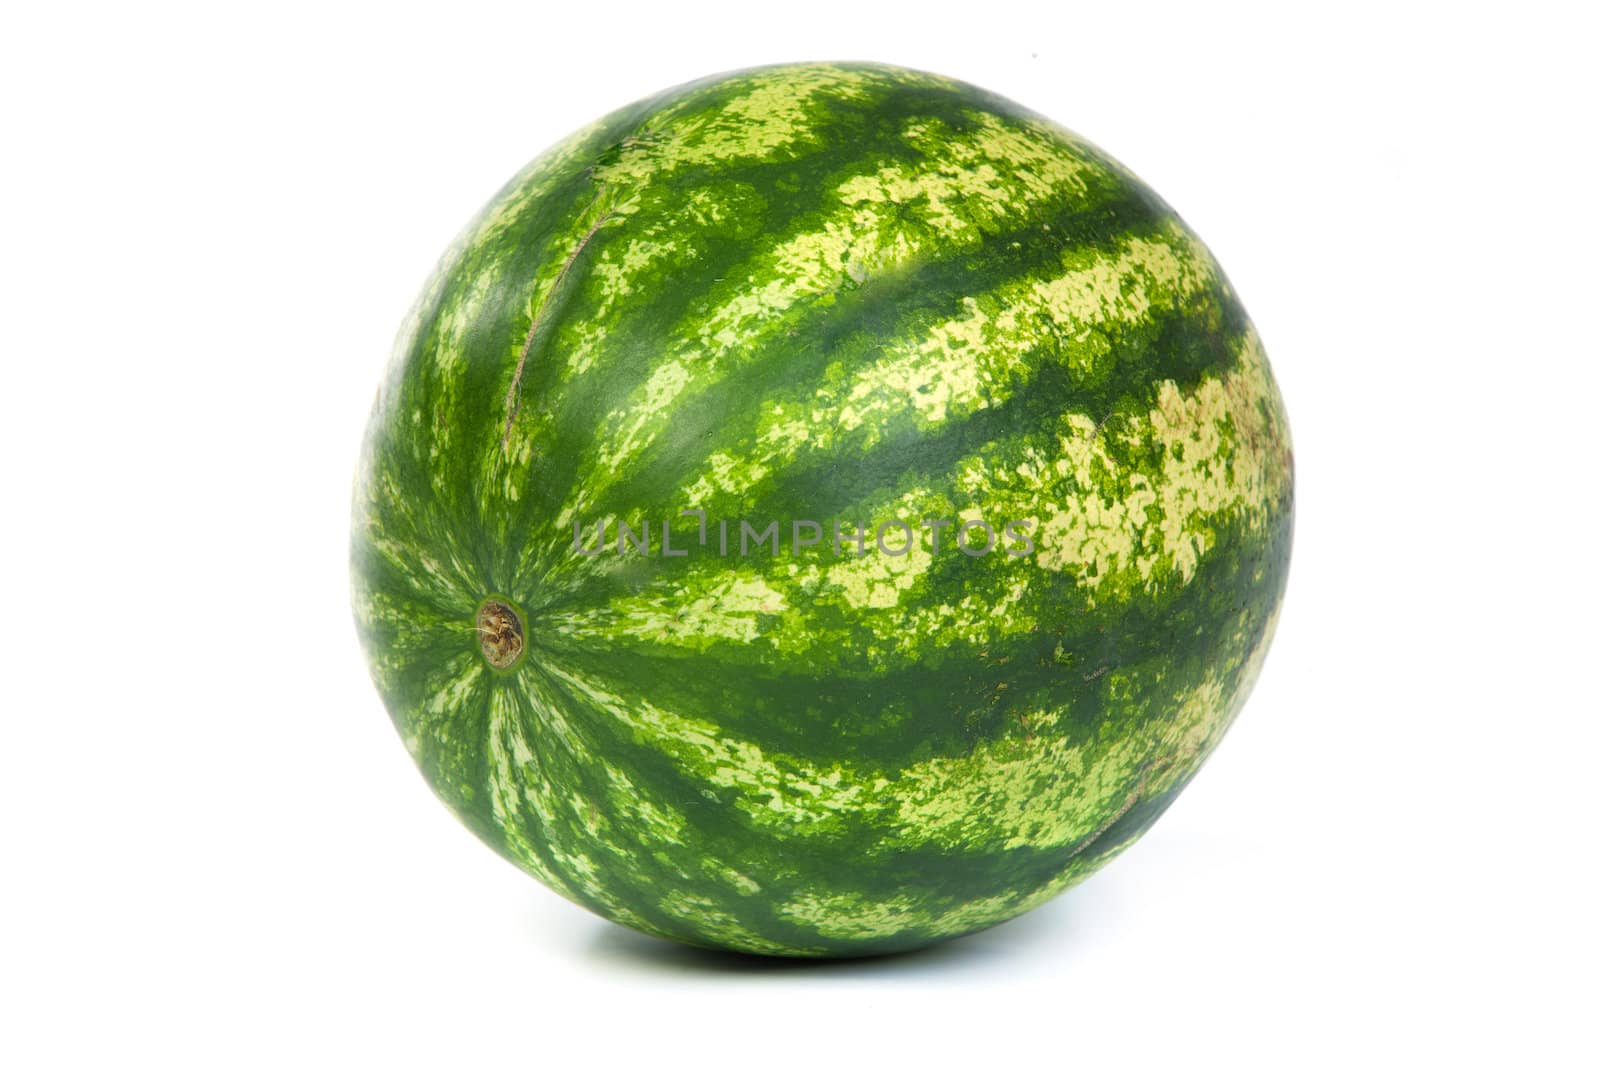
point(819, 511)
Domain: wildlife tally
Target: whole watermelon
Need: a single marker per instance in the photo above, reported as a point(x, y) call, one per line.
point(820, 510)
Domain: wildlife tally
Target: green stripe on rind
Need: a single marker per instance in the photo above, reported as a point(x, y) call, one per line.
point(822, 292)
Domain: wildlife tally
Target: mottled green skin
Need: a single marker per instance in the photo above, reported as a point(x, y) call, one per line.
point(822, 292)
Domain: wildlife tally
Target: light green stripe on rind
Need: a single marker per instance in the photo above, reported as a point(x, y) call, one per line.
point(1120, 531)
point(974, 360)
point(1189, 739)
point(773, 115)
point(1040, 792)
point(879, 223)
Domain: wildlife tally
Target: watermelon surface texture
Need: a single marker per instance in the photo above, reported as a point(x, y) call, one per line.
point(848, 297)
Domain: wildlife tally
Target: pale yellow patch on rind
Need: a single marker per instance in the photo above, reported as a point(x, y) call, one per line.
point(1224, 453)
point(975, 359)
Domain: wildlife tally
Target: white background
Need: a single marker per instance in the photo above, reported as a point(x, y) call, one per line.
point(216, 851)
